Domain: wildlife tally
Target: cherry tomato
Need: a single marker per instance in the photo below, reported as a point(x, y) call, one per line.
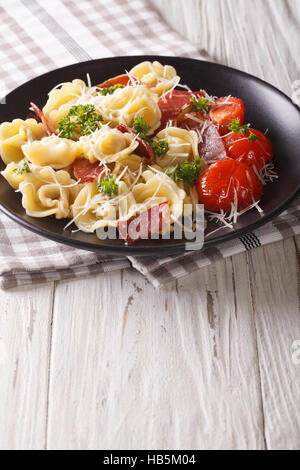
point(252, 153)
point(87, 171)
point(171, 104)
point(224, 110)
point(119, 80)
point(225, 180)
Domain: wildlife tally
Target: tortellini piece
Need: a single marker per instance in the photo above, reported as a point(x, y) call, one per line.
point(93, 210)
point(107, 145)
point(159, 78)
point(159, 188)
point(54, 151)
point(15, 134)
point(126, 104)
point(132, 161)
point(12, 177)
point(61, 100)
point(47, 192)
point(183, 145)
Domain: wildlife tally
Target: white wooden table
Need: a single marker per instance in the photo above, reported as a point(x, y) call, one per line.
point(106, 362)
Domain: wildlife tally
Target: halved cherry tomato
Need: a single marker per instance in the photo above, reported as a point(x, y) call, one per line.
point(87, 171)
point(224, 110)
point(41, 116)
point(222, 182)
point(171, 104)
point(119, 80)
point(254, 153)
point(144, 149)
point(153, 221)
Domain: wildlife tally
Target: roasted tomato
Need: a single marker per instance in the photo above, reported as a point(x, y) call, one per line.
point(87, 171)
point(254, 153)
point(225, 110)
point(173, 101)
point(119, 80)
point(228, 182)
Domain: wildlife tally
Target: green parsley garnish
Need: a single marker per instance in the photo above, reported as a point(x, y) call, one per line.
point(252, 137)
point(108, 185)
point(22, 167)
point(160, 148)
point(140, 127)
point(187, 172)
point(200, 104)
point(172, 172)
point(236, 127)
point(82, 119)
point(109, 91)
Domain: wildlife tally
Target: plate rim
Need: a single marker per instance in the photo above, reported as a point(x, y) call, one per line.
point(155, 249)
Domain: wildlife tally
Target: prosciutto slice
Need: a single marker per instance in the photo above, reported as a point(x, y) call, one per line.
point(212, 147)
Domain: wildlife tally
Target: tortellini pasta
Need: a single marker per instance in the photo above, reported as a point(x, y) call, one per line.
point(132, 162)
point(48, 192)
point(61, 100)
point(107, 145)
point(92, 210)
point(53, 151)
point(159, 78)
point(126, 104)
point(182, 146)
point(159, 188)
point(15, 134)
point(11, 176)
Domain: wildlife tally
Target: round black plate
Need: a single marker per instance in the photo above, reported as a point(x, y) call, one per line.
point(266, 107)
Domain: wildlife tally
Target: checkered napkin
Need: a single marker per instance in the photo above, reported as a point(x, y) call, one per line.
point(38, 36)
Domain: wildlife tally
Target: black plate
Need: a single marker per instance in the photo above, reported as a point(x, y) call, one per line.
point(266, 107)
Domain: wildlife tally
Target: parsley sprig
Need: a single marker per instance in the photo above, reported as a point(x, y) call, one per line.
point(141, 128)
point(160, 148)
point(200, 104)
point(22, 167)
point(108, 185)
point(187, 172)
point(109, 91)
point(82, 119)
point(252, 137)
point(236, 127)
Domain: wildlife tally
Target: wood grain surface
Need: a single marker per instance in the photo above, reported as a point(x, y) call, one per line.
point(106, 362)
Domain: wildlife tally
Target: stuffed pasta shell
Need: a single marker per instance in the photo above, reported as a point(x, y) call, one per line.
point(13, 135)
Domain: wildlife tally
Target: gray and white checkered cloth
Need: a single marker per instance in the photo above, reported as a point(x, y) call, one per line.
point(38, 36)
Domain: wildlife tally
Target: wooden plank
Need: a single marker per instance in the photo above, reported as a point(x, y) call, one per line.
point(133, 368)
point(274, 272)
point(25, 328)
point(259, 37)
